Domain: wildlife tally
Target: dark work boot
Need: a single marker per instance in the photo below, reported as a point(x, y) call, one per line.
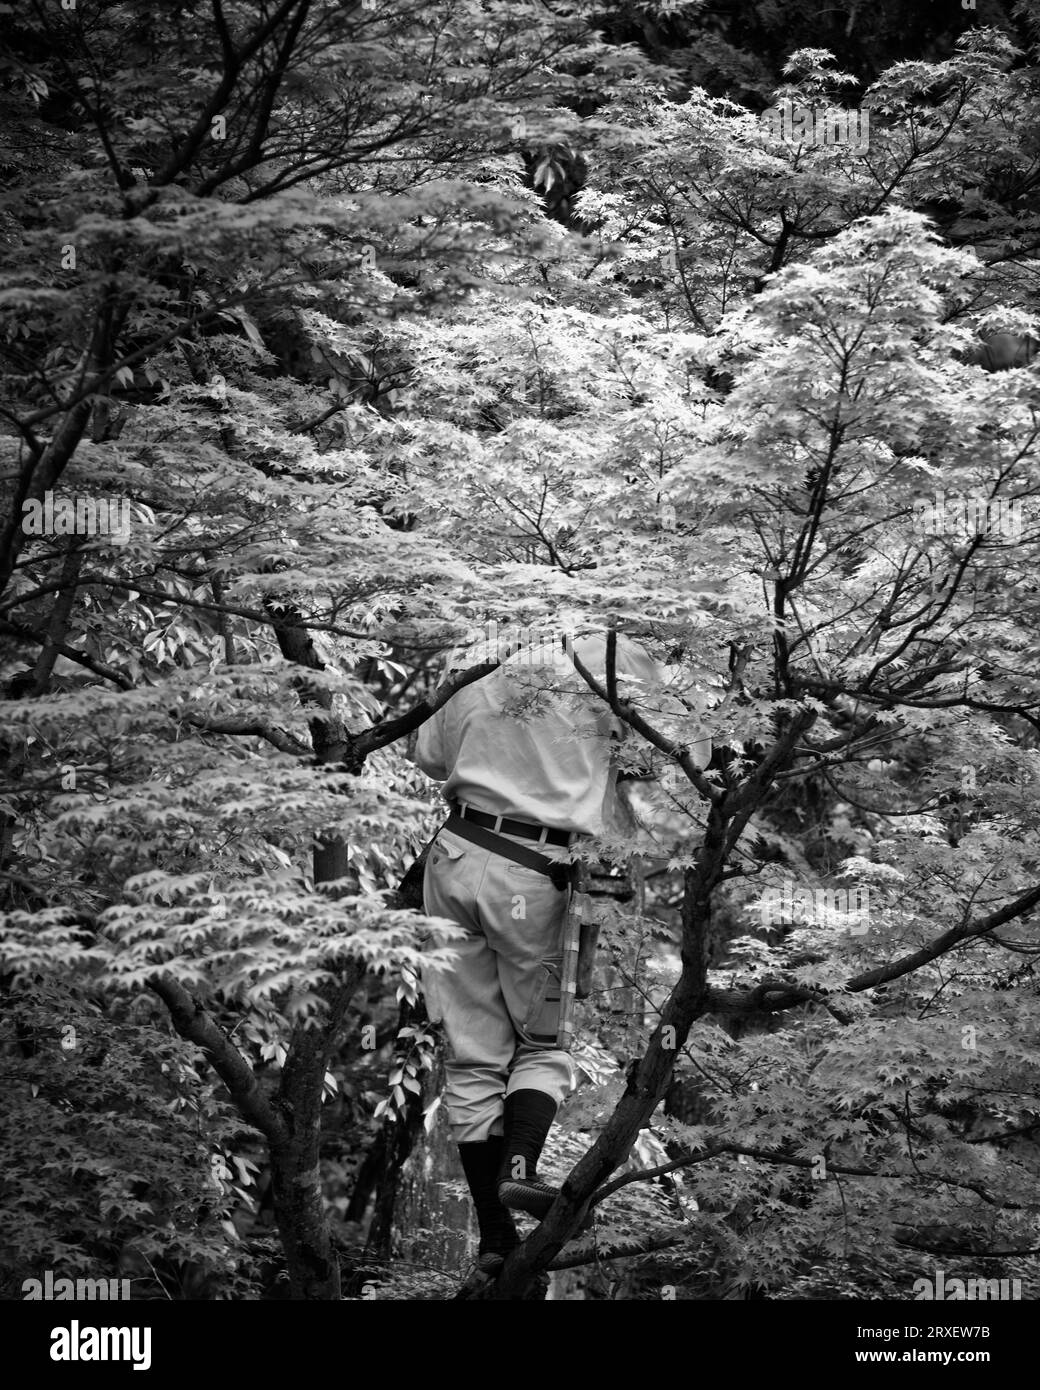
point(528, 1118)
point(481, 1163)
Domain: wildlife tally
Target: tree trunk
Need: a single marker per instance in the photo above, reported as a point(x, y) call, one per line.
point(296, 1175)
point(432, 1227)
point(299, 1206)
point(415, 1220)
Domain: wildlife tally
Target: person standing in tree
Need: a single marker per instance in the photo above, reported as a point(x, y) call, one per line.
point(525, 756)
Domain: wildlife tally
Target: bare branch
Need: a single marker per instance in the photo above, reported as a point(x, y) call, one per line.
point(585, 1252)
point(387, 731)
point(246, 726)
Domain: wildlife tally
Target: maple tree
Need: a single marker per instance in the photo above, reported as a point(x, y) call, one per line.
point(305, 315)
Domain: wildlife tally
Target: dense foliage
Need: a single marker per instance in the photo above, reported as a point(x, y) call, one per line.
point(280, 279)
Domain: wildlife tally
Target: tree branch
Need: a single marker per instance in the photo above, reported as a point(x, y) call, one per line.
point(244, 726)
point(790, 1161)
point(100, 668)
point(946, 942)
point(194, 1024)
point(672, 749)
point(358, 746)
point(585, 1252)
point(773, 995)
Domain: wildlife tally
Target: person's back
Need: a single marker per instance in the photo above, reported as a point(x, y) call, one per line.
point(531, 740)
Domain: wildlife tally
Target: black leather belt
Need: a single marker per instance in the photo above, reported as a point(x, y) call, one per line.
point(502, 825)
point(562, 872)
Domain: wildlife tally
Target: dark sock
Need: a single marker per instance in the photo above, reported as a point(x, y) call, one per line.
point(481, 1163)
point(528, 1119)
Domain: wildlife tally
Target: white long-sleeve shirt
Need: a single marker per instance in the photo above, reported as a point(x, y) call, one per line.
point(531, 740)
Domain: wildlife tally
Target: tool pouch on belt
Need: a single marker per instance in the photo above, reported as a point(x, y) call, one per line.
point(580, 940)
point(410, 889)
point(596, 883)
point(588, 940)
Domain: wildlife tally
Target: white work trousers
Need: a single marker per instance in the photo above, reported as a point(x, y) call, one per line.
point(496, 1000)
